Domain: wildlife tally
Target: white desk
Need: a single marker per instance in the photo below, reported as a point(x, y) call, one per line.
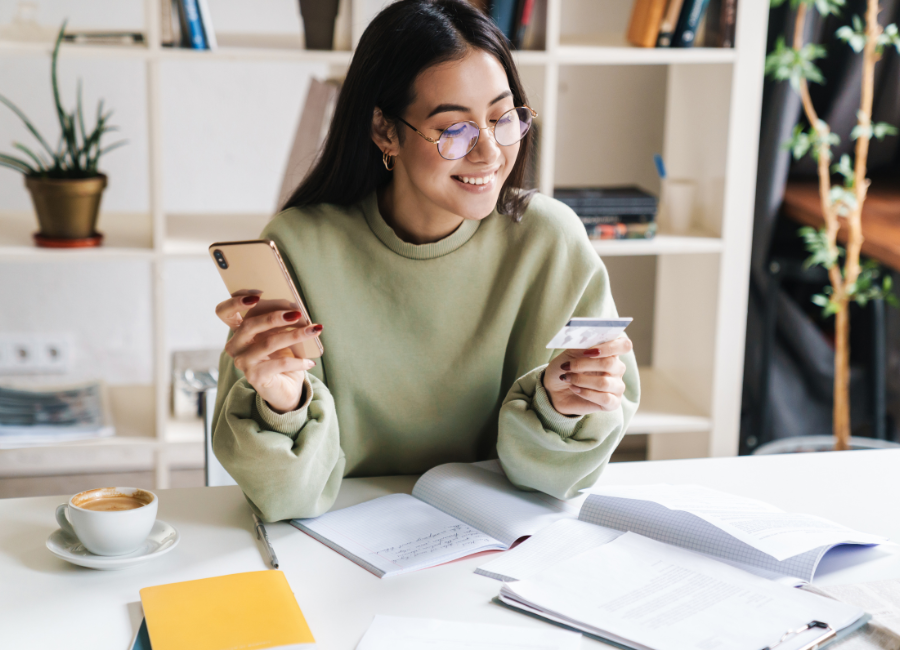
point(47, 603)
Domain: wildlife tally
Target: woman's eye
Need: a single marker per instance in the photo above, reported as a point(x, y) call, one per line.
point(454, 130)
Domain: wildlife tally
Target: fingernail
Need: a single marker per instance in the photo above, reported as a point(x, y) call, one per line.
point(593, 352)
point(250, 300)
point(574, 389)
point(291, 316)
point(315, 329)
point(566, 366)
point(563, 378)
point(311, 363)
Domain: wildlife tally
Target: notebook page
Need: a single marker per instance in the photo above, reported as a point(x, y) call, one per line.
point(557, 542)
point(686, 530)
point(658, 596)
point(395, 534)
point(487, 501)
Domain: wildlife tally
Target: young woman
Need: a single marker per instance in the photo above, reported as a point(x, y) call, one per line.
point(435, 281)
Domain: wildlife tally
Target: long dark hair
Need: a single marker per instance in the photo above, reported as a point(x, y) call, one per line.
point(403, 40)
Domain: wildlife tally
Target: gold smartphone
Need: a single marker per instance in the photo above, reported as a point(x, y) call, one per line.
point(255, 268)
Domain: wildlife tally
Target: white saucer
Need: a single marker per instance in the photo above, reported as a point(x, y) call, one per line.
point(162, 539)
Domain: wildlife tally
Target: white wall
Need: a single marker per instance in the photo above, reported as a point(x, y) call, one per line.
point(227, 130)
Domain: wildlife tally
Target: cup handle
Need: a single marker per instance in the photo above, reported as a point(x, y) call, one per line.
point(63, 521)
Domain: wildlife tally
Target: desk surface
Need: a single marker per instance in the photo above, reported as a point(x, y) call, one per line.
point(880, 220)
point(47, 603)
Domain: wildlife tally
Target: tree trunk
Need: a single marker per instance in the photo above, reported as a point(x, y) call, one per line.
point(842, 378)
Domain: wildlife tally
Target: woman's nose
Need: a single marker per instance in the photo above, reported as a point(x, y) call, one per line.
point(486, 149)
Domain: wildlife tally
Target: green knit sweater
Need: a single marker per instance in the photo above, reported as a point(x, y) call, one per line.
point(434, 353)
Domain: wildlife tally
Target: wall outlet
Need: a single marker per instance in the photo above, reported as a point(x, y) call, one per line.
point(35, 353)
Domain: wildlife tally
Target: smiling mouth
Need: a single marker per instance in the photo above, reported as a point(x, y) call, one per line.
point(477, 180)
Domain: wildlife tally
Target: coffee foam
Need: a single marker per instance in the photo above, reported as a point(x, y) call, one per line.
point(118, 499)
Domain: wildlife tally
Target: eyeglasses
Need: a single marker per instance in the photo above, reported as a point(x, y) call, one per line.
point(457, 140)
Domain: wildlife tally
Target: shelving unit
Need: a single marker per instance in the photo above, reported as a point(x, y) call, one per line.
point(709, 134)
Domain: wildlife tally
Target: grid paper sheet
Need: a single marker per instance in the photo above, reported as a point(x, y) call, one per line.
point(683, 529)
point(560, 541)
point(488, 502)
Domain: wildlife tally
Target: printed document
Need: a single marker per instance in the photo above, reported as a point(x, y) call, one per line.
point(645, 594)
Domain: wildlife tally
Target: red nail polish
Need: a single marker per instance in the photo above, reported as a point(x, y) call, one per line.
point(562, 378)
point(317, 328)
point(250, 300)
point(592, 353)
point(291, 316)
point(566, 366)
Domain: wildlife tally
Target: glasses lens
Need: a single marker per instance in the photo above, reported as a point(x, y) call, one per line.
point(512, 126)
point(457, 140)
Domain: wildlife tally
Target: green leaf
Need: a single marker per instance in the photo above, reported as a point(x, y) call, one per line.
point(826, 7)
point(890, 36)
point(843, 200)
point(28, 125)
point(786, 63)
point(882, 129)
point(819, 299)
point(845, 169)
point(854, 36)
point(28, 152)
point(17, 163)
point(816, 242)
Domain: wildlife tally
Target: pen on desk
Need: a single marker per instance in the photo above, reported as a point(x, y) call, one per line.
point(261, 534)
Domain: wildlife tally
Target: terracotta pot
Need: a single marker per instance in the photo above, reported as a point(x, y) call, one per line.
point(318, 23)
point(66, 208)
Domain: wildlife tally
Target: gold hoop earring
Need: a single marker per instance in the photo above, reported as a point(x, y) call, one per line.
point(387, 160)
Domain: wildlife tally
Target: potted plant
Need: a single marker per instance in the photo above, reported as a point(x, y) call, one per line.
point(842, 203)
point(64, 181)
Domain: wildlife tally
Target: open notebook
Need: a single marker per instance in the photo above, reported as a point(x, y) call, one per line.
point(746, 533)
point(455, 510)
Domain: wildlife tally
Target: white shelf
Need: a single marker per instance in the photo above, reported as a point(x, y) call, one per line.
point(659, 245)
point(613, 49)
point(191, 234)
point(602, 49)
point(126, 235)
point(664, 409)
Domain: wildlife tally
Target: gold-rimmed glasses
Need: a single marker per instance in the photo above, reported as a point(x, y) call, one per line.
point(457, 140)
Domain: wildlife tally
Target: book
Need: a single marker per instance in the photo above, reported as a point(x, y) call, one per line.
point(243, 610)
point(618, 230)
point(596, 201)
point(636, 592)
point(720, 21)
point(524, 13)
point(688, 21)
point(192, 27)
point(312, 129)
point(749, 534)
point(167, 25)
point(668, 23)
point(646, 16)
point(206, 22)
point(503, 13)
point(455, 510)
point(535, 36)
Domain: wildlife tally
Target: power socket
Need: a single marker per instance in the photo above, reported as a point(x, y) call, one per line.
point(35, 353)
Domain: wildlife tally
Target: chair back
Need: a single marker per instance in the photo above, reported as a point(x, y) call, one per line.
point(215, 473)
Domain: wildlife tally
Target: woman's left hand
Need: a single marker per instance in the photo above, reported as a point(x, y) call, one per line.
point(580, 382)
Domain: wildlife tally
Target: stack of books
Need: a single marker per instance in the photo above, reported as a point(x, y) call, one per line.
point(612, 212)
point(682, 23)
point(522, 21)
point(35, 416)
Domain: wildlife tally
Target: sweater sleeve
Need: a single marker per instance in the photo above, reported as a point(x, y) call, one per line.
point(539, 448)
point(288, 465)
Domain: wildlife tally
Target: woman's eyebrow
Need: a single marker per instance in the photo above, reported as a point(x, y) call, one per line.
point(450, 108)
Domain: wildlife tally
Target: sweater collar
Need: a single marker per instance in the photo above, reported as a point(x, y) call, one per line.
point(415, 251)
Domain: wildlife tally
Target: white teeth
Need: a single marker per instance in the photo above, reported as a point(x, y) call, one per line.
point(483, 180)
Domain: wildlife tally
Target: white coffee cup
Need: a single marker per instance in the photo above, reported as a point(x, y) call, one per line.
point(108, 521)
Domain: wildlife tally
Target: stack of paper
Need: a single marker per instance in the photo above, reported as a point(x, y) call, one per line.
point(641, 593)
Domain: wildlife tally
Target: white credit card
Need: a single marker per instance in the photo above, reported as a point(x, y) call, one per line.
point(583, 333)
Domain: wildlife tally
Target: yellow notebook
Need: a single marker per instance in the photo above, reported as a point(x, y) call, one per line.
point(250, 611)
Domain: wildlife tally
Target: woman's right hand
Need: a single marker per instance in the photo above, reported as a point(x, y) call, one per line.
point(260, 348)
